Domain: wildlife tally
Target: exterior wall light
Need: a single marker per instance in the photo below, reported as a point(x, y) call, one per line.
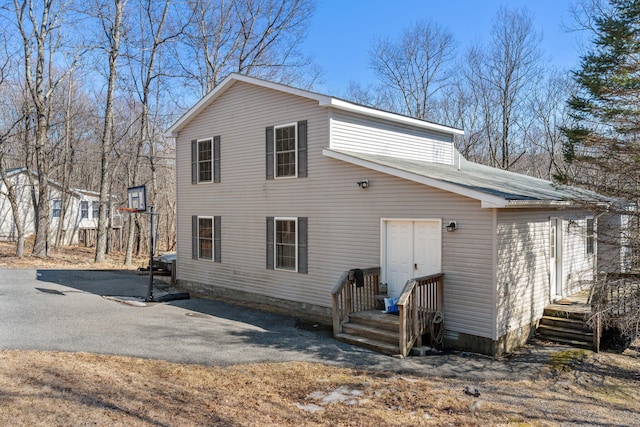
point(452, 226)
point(364, 183)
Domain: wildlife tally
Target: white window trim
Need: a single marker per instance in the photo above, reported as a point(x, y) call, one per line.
point(198, 160)
point(88, 209)
point(53, 208)
point(594, 236)
point(275, 242)
point(275, 152)
point(213, 239)
point(93, 202)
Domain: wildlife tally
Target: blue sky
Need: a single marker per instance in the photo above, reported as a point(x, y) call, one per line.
point(342, 31)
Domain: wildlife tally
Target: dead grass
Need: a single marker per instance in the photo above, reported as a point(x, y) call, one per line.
point(68, 257)
point(63, 389)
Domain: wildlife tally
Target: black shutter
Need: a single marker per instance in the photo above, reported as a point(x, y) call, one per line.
point(270, 226)
point(194, 237)
point(303, 265)
point(194, 161)
point(302, 148)
point(216, 159)
point(270, 150)
point(217, 239)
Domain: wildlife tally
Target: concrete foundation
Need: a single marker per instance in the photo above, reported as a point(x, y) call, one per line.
point(304, 311)
point(323, 315)
point(503, 345)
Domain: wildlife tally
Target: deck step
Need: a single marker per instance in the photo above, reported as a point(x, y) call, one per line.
point(369, 343)
point(562, 332)
point(565, 323)
point(376, 319)
point(581, 313)
point(569, 341)
point(366, 331)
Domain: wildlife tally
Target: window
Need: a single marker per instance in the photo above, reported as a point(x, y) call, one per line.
point(205, 160)
point(206, 238)
point(287, 150)
point(95, 209)
point(56, 208)
point(591, 236)
point(287, 244)
point(84, 210)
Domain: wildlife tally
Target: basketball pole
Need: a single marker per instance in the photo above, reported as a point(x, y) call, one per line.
point(149, 297)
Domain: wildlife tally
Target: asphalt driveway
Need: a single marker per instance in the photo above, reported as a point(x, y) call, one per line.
point(69, 310)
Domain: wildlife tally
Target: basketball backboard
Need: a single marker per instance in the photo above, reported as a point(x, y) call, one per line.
point(138, 198)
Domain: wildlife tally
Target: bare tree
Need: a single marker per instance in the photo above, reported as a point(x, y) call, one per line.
point(261, 38)
point(39, 27)
point(143, 52)
point(413, 68)
point(502, 75)
point(111, 20)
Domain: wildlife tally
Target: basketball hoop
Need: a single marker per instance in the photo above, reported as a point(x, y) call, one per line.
point(130, 210)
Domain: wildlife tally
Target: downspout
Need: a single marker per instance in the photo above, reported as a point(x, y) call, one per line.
point(494, 273)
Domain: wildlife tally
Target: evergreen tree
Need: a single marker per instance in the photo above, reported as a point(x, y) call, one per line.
point(603, 146)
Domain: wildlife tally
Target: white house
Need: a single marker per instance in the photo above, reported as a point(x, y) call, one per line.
point(76, 208)
point(281, 190)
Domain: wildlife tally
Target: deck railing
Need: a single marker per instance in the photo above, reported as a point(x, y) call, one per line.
point(420, 309)
point(615, 295)
point(349, 296)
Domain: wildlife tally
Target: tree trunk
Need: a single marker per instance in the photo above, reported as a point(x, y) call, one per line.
point(105, 170)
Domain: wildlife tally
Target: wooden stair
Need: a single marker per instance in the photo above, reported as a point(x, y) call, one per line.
point(565, 326)
point(374, 330)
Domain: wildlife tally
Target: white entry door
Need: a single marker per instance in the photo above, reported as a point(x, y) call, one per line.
point(413, 249)
point(555, 259)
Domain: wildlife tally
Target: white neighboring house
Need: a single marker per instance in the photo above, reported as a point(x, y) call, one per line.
point(78, 209)
point(281, 190)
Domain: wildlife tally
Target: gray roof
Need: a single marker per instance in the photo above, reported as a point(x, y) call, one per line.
point(514, 188)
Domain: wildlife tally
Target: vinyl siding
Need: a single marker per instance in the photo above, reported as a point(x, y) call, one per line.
point(524, 263)
point(26, 210)
point(374, 136)
point(344, 221)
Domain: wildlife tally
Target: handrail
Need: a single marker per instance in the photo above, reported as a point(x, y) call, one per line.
point(613, 296)
point(349, 298)
point(420, 305)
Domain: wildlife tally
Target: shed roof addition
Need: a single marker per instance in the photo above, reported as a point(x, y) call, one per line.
point(493, 187)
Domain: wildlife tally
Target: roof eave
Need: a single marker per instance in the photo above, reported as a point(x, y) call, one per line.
point(205, 101)
point(372, 112)
point(323, 101)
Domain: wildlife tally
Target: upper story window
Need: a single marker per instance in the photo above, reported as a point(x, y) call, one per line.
point(84, 209)
point(56, 208)
point(205, 160)
point(95, 209)
point(287, 150)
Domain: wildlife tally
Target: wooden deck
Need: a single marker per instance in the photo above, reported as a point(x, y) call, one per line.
point(565, 321)
point(573, 306)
